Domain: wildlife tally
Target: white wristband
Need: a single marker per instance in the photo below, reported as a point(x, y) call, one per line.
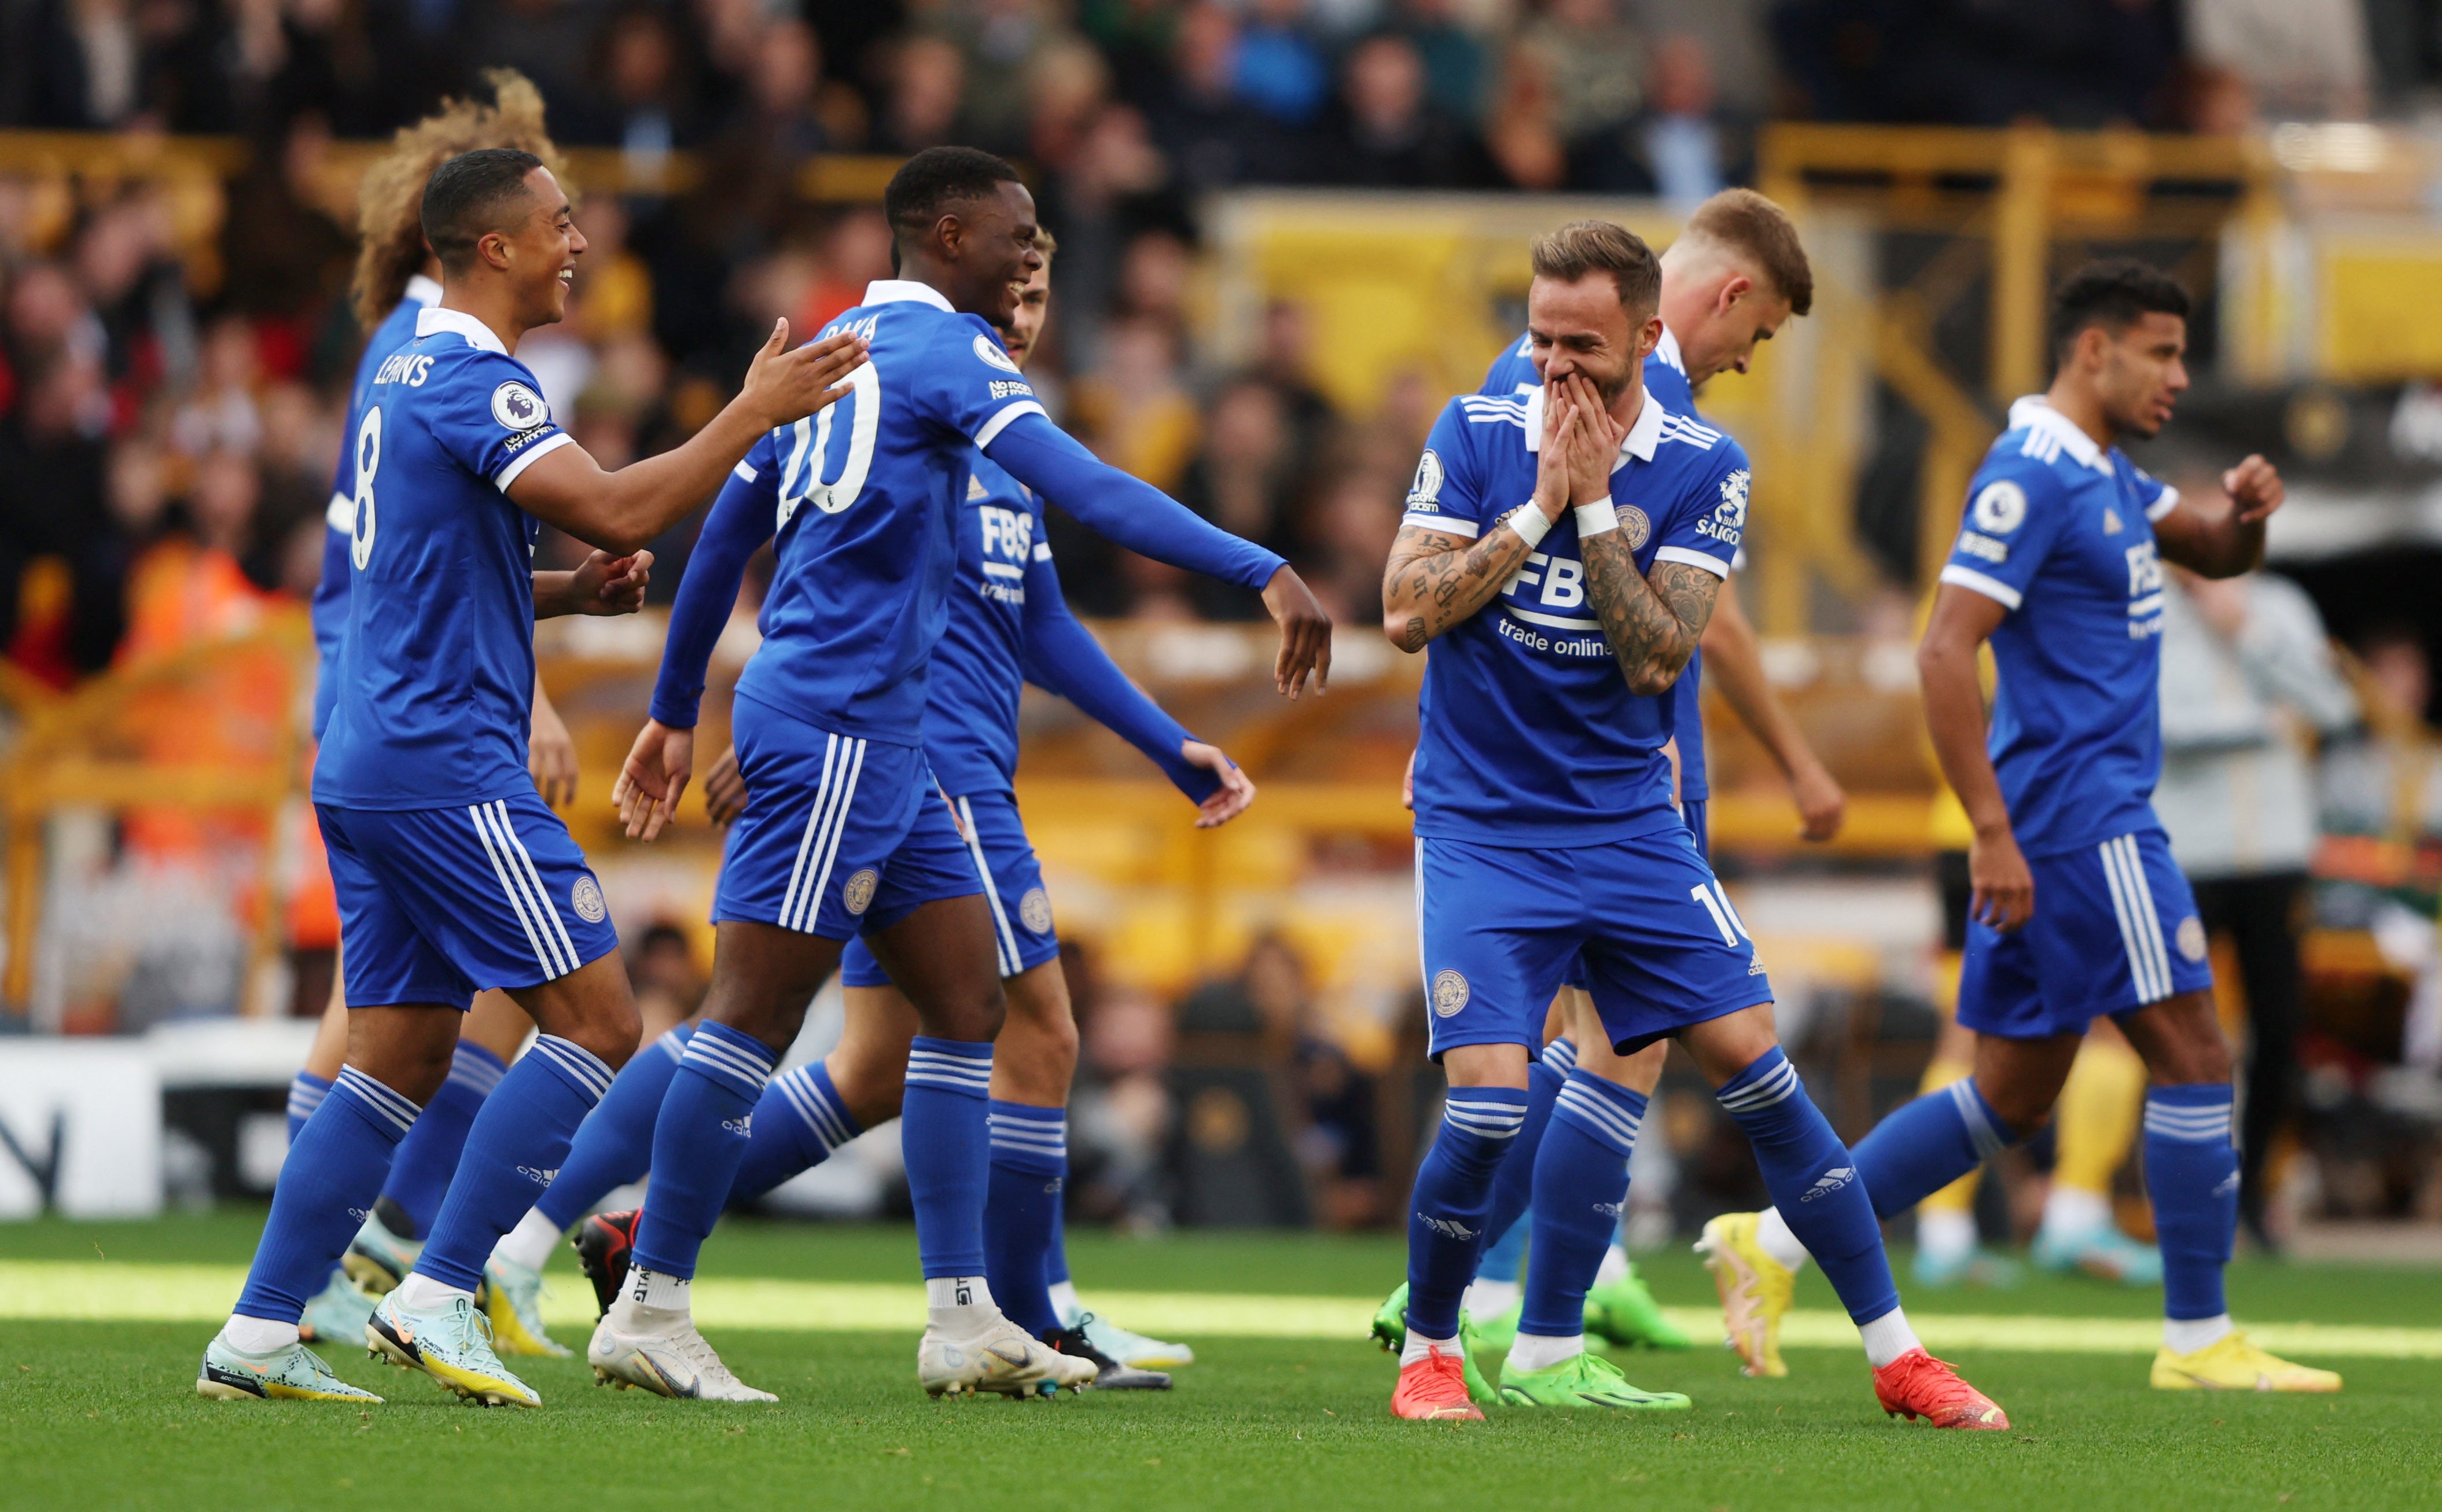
point(1593, 520)
point(1530, 525)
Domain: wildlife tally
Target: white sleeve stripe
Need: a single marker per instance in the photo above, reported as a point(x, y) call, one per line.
point(1681, 554)
point(341, 515)
point(520, 464)
point(1042, 551)
point(1992, 588)
point(1443, 523)
point(744, 471)
point(1001, 422)
point(2163, 506)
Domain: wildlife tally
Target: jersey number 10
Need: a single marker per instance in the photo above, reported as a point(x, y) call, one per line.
point(801, 480)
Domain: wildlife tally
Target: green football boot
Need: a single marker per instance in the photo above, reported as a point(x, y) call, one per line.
point(295, 1374)
point(1583, 1380)
point(1624, 1313)
point(1498, 1332)
point(1391, 1332)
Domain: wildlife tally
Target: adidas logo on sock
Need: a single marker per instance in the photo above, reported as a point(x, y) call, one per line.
point(541, 1178)
point(1831, 1182)
point(2228, 1184)
point(1447, 1228)
point(743, 1128)
point(1608, 1209)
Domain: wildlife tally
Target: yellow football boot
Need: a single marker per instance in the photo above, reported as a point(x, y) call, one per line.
point(2230, 1363)
point(1754, 1288)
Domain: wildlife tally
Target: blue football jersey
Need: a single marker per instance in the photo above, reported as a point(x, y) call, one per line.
point(2060, 532)
point(866, 498)
point(1665, 378)
point(330, 608)
point(1530, 734)
point(436, 662)
point(979, 669)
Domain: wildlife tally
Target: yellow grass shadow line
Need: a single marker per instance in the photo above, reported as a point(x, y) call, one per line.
point(113, 1292)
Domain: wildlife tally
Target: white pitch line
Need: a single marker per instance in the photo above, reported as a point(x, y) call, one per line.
point(112, 1292)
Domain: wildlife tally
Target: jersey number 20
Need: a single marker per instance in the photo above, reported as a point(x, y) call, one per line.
point(801, 480)
point(360, 542)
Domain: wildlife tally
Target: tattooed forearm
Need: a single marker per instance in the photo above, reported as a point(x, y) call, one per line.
point(1652, 625)
point(1435, 579)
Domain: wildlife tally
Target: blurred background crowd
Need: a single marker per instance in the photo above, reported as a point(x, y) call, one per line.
point(174, 349)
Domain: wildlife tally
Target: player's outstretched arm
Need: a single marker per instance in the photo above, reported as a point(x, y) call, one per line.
point(2225, 539)
point(1136, 514)
point(1962, 620)
point(621, 511)
point(1063, 657)
point(603, 584)
point(655, 775)
point(1652, 624)
point(1735, 662)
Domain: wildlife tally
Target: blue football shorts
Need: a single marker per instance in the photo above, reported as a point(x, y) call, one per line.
point(438, 903)
point(1660, 945)
point(840, 835)
point(1013, 879)
point(1693, 812)
point(2115, 928)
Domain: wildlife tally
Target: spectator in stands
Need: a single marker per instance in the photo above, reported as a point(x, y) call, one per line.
point(1389, 134)
point(1521, 129)
point(928, 85)
point(1120, 1113)
point(1595, 61)
point(1213, 139)
point(669, 985)
point(2300, 59)
point(2380, 868)
point(1003, 42)
point(1281, 70)
point(1457, 64)
point(2248, 682)
point(1246, 479)
point(61, 560)
point(1683, 147)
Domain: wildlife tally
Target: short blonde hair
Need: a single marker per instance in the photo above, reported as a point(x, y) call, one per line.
point(1760, 231)
point(1582, 247)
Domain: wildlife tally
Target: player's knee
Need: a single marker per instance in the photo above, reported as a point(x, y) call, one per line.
point(974, 1014)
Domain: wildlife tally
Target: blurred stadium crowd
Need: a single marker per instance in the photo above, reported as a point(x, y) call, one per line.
point(173, 359)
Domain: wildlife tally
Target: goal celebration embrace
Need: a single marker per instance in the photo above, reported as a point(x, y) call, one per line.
point(1189, 754)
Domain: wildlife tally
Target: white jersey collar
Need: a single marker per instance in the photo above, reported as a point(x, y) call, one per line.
point(479, 335)
point(896, 291)
point(422, 290)
point(1668, 350)
point(1639, 442)
point(2034, 413)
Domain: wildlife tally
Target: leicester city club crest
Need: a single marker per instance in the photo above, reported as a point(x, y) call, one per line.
point(1450, 994)
point(857, 894)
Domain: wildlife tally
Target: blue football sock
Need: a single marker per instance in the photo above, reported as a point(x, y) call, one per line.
point(333, 1174)
point(1513, 1185)
point(1055, 1260)
point(305, 1093)
point(702, 1137)
point(2191, 1174)
point(1580, 1185)
point(1445, 1217)
point(799, 1124)
point(1925, 1145)
point(1029, 1159)
point(945, 1132)
point(427, 1158)
point(1814, 1181)
point(614, 1145)
point(517, 1143)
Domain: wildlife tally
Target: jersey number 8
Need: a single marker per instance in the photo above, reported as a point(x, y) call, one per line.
point(801, 480)
point(360, 542)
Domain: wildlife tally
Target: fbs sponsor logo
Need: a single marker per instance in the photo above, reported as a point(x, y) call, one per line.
point(1447, 1228)
point(1830, 1182)
point(1450, 994)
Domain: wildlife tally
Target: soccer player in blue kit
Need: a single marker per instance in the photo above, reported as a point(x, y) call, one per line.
point(2079, 910)
point(846, 832)
point(451, 872)
point(1546, 835)
point(1736, 273)
point(1009, 624)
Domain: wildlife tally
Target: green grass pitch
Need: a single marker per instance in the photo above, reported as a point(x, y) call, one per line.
point(97, 1415)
